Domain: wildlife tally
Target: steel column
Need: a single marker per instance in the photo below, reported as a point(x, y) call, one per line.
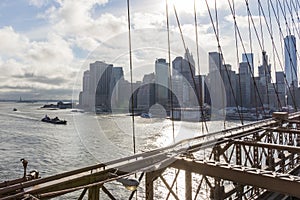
point(94, 193)
point(188, 185)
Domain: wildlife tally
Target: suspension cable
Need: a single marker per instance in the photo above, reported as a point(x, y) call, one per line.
point(281, 34)
point(220, 62)
point(237, 59)
point(185, 47)
point(252, 74)
point(261, 47)
point(273, 51)
point(289, 33)
point(266, 69)
point(169, 70)
point(288, 50)
point(244, 49)
point(203, 118)
point(292, 18)
point(223, 60)
point(131, 77)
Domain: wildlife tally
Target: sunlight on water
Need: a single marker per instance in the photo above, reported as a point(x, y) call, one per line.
point(86, 139)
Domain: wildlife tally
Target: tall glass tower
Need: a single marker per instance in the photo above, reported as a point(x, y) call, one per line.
point(290, 60)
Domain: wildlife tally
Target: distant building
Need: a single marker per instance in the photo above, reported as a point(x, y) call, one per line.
point(146, 93)
point(85, 95)
point(221, 85)
point(183, 69)
point(214, 61)
point(161, 80)
point(248, 58)
point(281, 88)
point(290, 60)
point(244, 97)
point(264, 73)
point(103, 90)
point(189, 57)
point(100, 83)
point(117, 79)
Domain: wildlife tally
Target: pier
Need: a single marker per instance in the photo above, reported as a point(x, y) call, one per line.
point(259, 160)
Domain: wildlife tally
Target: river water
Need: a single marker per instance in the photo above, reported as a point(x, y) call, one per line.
point(86, 139)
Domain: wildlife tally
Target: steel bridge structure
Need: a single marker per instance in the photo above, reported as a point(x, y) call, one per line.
point(255, 161)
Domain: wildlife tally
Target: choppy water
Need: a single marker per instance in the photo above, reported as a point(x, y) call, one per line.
point(86, 139)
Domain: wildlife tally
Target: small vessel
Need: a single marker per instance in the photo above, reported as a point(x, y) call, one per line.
point(55, 120)
point(146, 115)
point(14, 109)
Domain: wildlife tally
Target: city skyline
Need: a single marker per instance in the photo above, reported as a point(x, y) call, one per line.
point(105, 88)
point(50, 43)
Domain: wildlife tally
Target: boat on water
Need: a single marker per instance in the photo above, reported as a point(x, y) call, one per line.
point(55, 120)
point(146, 115)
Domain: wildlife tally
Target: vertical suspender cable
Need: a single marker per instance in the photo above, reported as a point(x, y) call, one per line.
point(200, 96)
point(273, 45)
point(220, 63)
point(237, 60)
point(281, 34)
point(252, 74)
point(280, 104)
point(185, 47)
point(266, 69)
point(131, 78)
point(169, 70)
point(222, 57)
point(244, 49)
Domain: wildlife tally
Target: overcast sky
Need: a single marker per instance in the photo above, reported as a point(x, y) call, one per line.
point(45, 45)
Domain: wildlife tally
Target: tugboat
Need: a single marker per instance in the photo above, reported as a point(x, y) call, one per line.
point(55, 120)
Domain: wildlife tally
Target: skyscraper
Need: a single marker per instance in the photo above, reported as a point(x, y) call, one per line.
point(245, 85)
point(290, 60)
point(248, 57)
point(264, 72)
point(215, 61)
point(161, 79)
point(189, 57)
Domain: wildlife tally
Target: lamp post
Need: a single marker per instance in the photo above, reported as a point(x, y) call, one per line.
point(129, 183)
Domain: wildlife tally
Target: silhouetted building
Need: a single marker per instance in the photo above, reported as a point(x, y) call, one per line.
point(281, 88)
point(221, 85)
point(244, 88)
point(248, 58)
point(290, 60)
point(103, 91)
point(117, 79)
point(264, 72)
point(161, 80)
point(214, 61)
point(146, 93)
point(100, 83)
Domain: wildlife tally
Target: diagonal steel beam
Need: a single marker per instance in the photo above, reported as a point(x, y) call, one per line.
point(272, 181)
point(292, 149)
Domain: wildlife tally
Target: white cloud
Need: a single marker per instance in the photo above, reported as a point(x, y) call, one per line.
point(12, 43)
point(148, 20)
point(74, 19)
point(9, 68)
point(53, 54)
point(49, 50)
point(86, 43)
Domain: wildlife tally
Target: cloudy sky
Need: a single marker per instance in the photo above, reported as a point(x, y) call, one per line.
point(45, 45)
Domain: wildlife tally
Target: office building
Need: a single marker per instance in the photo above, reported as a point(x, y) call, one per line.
point(290, 60)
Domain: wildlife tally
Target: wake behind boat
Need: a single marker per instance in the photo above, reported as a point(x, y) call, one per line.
point(55, 120)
